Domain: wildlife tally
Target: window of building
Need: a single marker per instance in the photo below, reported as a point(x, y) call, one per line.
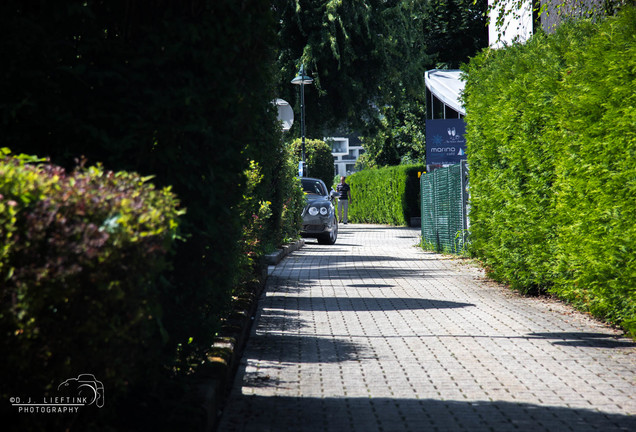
point(351, 156)
point(339, 145)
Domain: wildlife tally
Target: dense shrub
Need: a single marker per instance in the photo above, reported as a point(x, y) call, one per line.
point(272, 179)
point(292, 199)
point(81, 257)
point(551, 140)
point(387, 195)
point(511, 160)
point(595, 183)
point(268, 224)
point(318, 157)
point(142, 84)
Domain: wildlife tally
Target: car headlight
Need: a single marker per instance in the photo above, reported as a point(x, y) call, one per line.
point(313, 211)
point(324, 211)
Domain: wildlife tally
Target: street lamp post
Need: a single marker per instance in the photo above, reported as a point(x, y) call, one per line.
point(302, 79)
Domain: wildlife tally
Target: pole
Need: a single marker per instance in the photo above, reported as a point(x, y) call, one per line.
point(302, 122)
point(302, 79)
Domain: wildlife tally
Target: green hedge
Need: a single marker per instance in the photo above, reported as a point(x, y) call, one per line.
point(389, 195)
point(551, 146)
point(271, 211)
point(80, 264)
point(139, 88)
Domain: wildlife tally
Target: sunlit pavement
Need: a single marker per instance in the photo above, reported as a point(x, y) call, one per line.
point(374, 334)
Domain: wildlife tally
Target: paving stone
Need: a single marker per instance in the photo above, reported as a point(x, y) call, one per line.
point(374, 334)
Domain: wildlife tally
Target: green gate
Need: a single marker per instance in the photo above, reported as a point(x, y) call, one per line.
point(444, 195)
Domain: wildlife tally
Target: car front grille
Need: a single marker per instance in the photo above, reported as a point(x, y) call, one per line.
point(313, 228)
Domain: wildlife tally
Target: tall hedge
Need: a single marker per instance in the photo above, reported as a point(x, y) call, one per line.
point(161, 88)
point(551, 142)
point(387, 195)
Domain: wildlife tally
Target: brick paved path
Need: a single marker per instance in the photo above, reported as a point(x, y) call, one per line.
point(374, 334)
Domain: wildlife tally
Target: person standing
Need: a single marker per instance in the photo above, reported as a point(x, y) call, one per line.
point(345, 198)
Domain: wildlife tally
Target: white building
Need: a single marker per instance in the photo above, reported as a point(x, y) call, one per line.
point(517, 25)
point(520, 19)
point(345, 151)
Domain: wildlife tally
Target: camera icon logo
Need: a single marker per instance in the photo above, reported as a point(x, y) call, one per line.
point(85, 388)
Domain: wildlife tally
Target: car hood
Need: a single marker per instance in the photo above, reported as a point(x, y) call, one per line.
point(317, 199)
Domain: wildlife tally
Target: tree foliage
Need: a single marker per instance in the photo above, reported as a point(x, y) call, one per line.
point(362, 55)
point(368, 60)
point(318, 157)
point(399, 136)
point(454, 31)
point(552, 12)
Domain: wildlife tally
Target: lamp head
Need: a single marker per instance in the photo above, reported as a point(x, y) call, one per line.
point(301, 78)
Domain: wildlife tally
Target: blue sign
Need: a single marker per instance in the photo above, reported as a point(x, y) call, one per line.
point(445, 142)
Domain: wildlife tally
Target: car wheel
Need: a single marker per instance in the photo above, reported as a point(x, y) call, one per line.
point(330, 237)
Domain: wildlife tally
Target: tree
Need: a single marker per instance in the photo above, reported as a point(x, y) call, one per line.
point(361, 54)
point(318, 157)
point(400, 137)
point(368, 60)
point(455, 30)
point(452, 31)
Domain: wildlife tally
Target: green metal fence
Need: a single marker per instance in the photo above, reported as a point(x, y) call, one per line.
point(444, 195)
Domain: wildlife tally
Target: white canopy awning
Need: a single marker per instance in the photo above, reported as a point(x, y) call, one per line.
point(447, 86)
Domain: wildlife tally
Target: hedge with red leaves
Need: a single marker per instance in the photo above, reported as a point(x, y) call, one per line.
point(80, 257)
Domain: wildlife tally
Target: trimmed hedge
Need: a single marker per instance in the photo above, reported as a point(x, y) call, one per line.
point(81, 257)
point(551, 146)
point(139, 88)
point(389, 195)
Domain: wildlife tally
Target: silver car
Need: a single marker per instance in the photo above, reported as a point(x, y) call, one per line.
point(319, 215)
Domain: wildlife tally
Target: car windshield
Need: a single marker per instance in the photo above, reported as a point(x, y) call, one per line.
point(314, 187)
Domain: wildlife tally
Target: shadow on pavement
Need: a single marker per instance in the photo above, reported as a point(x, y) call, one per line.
point(361, 304)
point(279, 320)
point(348, 273)
point(358, 258)
point(259, 413)
point(369, 228)
point(304, 349)
point(584, 339)
point(260, 380)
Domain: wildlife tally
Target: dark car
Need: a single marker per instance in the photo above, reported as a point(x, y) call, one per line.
point(319, 215)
